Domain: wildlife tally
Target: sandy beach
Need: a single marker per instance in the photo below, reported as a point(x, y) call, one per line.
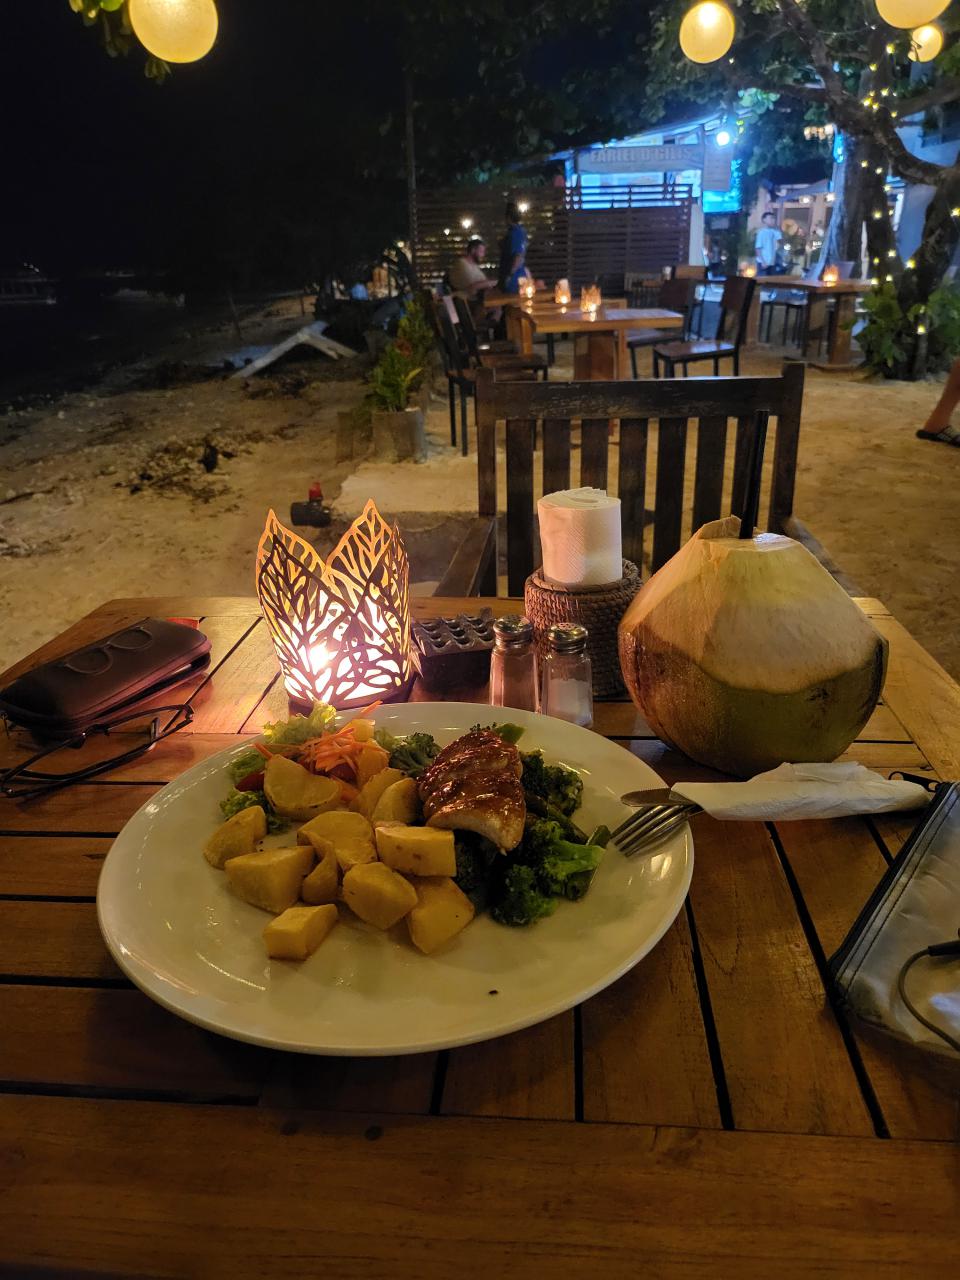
point(104, 492)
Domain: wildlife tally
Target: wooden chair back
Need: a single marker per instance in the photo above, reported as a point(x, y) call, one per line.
point(455, 358)
point(568, 410)
point(689, 271)
point(734, 309)
point(468, 327)
point(678, 295)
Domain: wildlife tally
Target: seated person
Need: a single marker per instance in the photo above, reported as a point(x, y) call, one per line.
point(466, 276)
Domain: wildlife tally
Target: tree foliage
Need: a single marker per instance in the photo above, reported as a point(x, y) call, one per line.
point(841, 62)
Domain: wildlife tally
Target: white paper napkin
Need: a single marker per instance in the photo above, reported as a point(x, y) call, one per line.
point(580, 536)
point(794, 791)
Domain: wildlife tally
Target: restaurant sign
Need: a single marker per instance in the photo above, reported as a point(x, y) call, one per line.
point(714, 161)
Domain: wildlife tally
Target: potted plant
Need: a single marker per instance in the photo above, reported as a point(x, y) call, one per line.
point(398, 430)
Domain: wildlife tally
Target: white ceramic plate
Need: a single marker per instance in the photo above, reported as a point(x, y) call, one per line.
point(178, 932)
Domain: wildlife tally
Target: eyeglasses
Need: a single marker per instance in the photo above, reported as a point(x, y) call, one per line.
point(23, 780)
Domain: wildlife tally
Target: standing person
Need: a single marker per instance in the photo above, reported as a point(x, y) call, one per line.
point(513, 252)
point(767, 244)
point(466, 276)
point(937, 426)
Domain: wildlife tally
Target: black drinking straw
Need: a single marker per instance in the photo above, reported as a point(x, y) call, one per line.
point(751, 502)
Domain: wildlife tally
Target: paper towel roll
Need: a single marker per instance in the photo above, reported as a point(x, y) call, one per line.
point(580, 537)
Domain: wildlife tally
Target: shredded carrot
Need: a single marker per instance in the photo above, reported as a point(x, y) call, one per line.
point(348, 792)
point(264, 751)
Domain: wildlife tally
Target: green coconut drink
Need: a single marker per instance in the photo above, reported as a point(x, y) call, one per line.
point(744, 653)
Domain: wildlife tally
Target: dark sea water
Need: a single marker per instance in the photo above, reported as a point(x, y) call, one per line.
point(49, 349)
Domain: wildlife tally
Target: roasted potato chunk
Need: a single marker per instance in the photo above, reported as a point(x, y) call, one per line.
point(372, 790)
point(442, 910)
point(270, 880)
point(323, 882)
point(399, 803)
point(378, 895)
point(295, 792)
point(371, 761)
point(417, 851)
point(298, 932)
point(237, 835)
point(350, 834)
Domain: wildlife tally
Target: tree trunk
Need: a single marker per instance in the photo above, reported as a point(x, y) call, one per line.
point(845, 234)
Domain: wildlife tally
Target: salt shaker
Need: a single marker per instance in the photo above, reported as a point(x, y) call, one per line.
point(567, 675)
point(513, 665)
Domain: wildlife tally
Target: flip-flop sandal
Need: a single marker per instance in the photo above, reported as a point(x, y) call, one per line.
point(949, 435)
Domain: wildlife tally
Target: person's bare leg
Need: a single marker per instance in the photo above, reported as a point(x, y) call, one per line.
point(949, 399)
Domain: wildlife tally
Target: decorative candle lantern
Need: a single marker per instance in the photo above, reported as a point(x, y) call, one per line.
point(830, 275)
point(341, 627)
point(748, 270)
point(528, 287)
point(561, 293)
point(590, 298)
point(174, 30)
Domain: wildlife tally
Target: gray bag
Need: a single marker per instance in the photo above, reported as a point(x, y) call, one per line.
point(899, 966)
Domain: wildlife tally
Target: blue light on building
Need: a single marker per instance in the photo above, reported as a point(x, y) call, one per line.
point(725, 201)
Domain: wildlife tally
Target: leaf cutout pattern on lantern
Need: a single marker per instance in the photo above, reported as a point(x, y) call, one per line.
point(341, 628)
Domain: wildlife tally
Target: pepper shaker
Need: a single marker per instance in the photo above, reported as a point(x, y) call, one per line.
point(567, 675)
point(513, 665)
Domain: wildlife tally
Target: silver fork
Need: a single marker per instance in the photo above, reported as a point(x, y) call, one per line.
point(659, 814)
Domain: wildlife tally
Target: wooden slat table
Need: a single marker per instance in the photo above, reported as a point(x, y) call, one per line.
point(710, 1113)
point(599, 338)
point(841, 318)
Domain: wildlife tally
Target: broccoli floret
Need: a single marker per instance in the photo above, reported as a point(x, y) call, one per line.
point(237, 800)
point(568, 870)
point(554, 784)
point(475, 860)
point(412, 754)
point(521, 901)
point(563, 868)
point(511, 733)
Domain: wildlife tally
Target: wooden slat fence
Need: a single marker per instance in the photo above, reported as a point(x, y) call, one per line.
point(571, 235)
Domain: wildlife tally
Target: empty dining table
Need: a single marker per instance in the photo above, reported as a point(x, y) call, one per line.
point(599, 337)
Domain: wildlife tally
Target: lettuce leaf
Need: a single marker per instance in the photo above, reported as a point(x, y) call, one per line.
point(251, 761)
point(286, 733)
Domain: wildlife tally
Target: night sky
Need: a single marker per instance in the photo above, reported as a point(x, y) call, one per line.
point(104, 168)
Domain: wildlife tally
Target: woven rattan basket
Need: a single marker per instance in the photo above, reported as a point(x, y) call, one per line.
point(599, 609)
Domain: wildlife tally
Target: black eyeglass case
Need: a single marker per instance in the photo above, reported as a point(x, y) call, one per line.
point(88, 686)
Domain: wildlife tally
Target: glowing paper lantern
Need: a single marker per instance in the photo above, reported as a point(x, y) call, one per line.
point(175, 30)
point(925, 43)
point(707, 31)
point(341, 627)
point(910, 13)
point(590, 299)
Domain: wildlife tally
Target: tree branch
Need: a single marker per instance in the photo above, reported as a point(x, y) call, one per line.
point(800, 23)
point(743, 81)
point(946, 91)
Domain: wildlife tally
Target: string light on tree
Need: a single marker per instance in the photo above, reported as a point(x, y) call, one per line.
point(925, 43)
point(175, 30)
point(707, 31)
point(910, 13)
